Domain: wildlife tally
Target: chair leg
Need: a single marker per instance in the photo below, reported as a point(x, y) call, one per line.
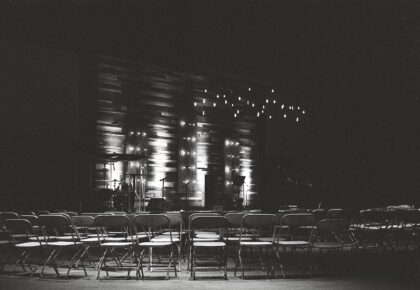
point(100, 263)
point(133, 256)
point(240, 262)
point(194, 263)
point(47, 261)
point(169, 264)
point(224, 249)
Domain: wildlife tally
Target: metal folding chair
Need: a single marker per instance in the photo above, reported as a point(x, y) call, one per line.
point(218, 225)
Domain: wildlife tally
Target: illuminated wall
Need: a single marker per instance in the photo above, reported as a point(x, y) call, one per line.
point(181, 127)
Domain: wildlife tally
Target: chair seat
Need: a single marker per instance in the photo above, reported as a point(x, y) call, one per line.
point(174, 234)
point(4, 243)
point(155, 244)
point(66, 238)
point(90, 240)
point(116, 239)
point(29, 245)
point(138, 237)
point(209, 244)
point(63, 244)
point(116, 244)
point(293, 243)
point(208, 236)
point(327, 245)
point(236, 239)
point(255, 243)
point(204, 240)
point(165, 239)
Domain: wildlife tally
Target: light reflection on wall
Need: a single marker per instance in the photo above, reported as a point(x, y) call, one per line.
point(160, 158)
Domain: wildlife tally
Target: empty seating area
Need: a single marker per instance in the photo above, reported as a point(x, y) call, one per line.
point(198, 245)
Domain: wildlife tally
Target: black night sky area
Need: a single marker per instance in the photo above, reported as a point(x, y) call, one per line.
point(355, 64)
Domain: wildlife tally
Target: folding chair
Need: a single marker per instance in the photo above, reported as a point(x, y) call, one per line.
point(152, 225)
point(330, 236)
point(218, 225)
point(25, 247)
point(59, 235)
point(261, 228)
point(112, 244)
point(293, 233)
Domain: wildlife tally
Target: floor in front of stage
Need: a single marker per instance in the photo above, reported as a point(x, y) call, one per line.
point(212, 279)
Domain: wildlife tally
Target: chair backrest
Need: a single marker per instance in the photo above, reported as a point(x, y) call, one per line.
point(112, 221)
point(42, 212)
point(197, 214)
point(297, 220)
point(235, 219)
point(54, 221)
point(258, 220)
point(8, 215)
point(335, 225)
point(83, 221)
point(175, 219)
point(18, 226)
point(152, 221)
point(319, 214)
point(334, 213)
point(33, 219)
point(209, 222)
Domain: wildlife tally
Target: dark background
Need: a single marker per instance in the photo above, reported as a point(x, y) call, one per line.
point(353, 64)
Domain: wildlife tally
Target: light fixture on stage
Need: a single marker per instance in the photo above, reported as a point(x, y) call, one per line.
point(297, 119)
point(303, 112)
point(226, 101)
point(144, 134)
point(272, 90)
point(253, 105)
point(282, 107)
point(258, 114)
point(267, 100)
point(269, 117)
point(249, 89)
point(131, 133)
point(182, 152)
point(138, 133)
point(239, 98)
point(205, 90)
point(195, 104)
point(203, 113)
point(274, 101)
point(217, 96)
point(285, 116)
point(214, 104)
point(204, 100)
point(182, 123)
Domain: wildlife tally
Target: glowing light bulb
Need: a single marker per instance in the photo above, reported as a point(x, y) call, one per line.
point(182, 123)
point(266, 100)
point(227, 143)
point(274, 101)
point(232, 105)
point(182, 152)
point(204, 113)
point(131, 148)
point(227, 169)
point(237, 143)
point(131, 133)
point(253, 105)
point(214, 104)
point(239, 98)
point(249, 89)
point(205, 90)
point(297, 119)
point(138, 148)
point(138, 133)
point(237, 111)
point(258, 114)
point(224, 96)
point(269, 117)
point(234, 115)
point(285, 116)
point(193, 139)
point(282, 107)
point(217, 96)
point(144, 134)
point(272, 90)
point(195, 104)
point(226, 102)
point(204, 100)
point(303, 112)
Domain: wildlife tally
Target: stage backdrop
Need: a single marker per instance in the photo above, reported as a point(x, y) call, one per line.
point(153, 123)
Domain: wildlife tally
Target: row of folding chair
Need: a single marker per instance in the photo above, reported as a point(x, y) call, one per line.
point(57, 232)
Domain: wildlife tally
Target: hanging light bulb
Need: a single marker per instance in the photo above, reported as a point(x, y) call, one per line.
point(266, 100)
point(195, 104)
point(269, 117)
point(303, 112)
point(284, 116)
point(205, 90)
point(282, 107)
point(249, 89)
point(272, 90)
point(237, 111)
point(204, 100)
point(234, 115)
point(182, 153)
point(263, 106)
point(232, 105)
point(239, 98)
point(224, 96)
point(253, 105)
point(258, 114)
point(138, 133)
point(182, 123)
point(217, 96)
point(226, 101)
point(214, 104)
point(274, 101)
point(227, 143)
point(204, 113)
point(144, 134)
point(298, 108)
point(297, 119)
point(131, 133)
point(247, 102)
